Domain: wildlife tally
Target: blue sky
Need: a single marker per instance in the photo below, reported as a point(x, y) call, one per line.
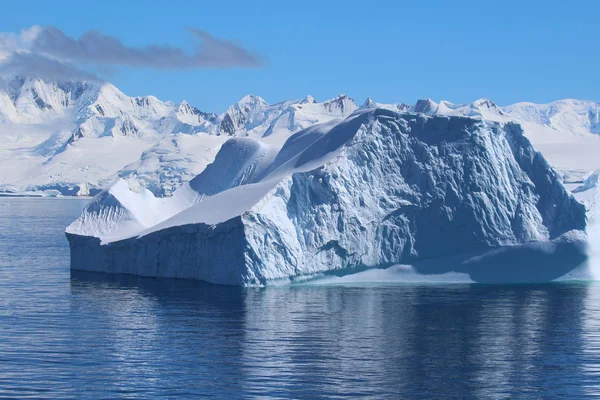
point(507, 51)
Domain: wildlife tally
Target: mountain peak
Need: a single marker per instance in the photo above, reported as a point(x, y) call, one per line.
point(189, 114)
point(341, 104)
point(425, 106)
point(369, 103)
point(246, 113)
point(340, 97)
point(486, 103)
point(308, 100)
point(251, 99)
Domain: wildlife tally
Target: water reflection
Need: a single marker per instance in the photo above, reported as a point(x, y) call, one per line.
point(590, 332)
point(165, 337)
point(171, 337)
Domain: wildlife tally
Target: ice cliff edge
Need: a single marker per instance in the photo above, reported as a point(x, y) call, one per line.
point(376, 189)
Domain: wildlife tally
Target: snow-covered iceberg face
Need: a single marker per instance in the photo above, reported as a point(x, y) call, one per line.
point(377, 189)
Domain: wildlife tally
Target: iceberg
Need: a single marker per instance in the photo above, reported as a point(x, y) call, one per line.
point(378, 188)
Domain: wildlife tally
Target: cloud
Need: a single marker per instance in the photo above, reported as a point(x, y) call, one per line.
point(46, 52)
point(35, 65)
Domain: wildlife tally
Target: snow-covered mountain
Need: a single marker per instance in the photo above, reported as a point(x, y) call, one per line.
point(378, 188)
point(77, 137)
point(575, 117)
point(400, 107)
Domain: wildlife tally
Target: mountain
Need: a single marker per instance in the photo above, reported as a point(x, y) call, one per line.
point(575, 117)
point(375, 189)
point(400, 107)
point(75, 138)
point(78, 137)
point(578, 117)
point(247, 114)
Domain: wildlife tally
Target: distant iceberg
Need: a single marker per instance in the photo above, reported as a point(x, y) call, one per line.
point(379, 188)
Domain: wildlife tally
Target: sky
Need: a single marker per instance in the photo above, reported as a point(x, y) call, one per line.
point(508, 51)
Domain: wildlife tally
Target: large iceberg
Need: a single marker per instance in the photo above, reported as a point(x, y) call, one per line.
point(378, 188)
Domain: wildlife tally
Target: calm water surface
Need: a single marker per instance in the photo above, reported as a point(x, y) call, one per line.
point(100, 336)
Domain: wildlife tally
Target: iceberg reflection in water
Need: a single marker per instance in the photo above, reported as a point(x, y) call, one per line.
point(409, 340)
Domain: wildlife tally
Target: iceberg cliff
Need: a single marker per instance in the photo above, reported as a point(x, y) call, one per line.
point(376, 189)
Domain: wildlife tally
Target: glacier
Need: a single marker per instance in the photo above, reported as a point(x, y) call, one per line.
point(374, 187)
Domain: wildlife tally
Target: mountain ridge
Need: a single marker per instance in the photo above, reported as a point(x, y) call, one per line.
point(76, 137)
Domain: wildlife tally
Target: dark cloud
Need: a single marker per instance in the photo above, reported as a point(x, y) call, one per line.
point(96, 48)
point(29, 64)
point(46, 52)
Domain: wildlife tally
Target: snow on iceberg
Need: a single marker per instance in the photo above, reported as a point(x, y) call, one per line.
point(376, 189)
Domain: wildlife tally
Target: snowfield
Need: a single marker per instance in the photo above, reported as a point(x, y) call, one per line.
point(376, 189)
